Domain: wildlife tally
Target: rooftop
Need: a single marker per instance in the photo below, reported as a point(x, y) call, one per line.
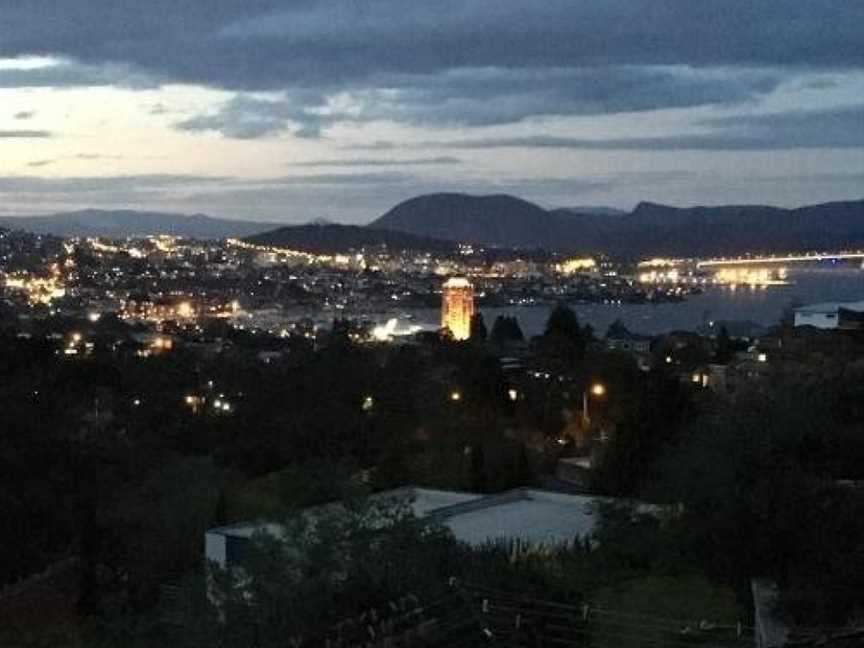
point(831, 307)
point(457, 282)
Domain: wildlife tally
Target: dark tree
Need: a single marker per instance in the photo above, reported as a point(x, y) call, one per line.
point(725, 350)
point(506, 330)
point(564, 342)
point(478, 328)
point(617, 329)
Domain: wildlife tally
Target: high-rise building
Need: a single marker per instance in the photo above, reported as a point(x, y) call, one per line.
point(457, 307)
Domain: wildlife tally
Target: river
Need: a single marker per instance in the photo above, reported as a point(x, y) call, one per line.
point(761, 305)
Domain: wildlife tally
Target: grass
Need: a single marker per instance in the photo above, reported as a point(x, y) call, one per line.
point(664, 610)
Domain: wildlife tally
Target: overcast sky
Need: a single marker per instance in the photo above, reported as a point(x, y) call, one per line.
point(291, 110)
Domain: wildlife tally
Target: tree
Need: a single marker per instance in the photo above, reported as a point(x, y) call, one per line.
point(725, 350)
point(564, 342)
point(617, 329)
point(478, 328)
point(506, 330)
point(563, 323)
point(329, 565)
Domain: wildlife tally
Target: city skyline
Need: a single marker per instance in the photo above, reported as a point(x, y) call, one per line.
point(257, 110)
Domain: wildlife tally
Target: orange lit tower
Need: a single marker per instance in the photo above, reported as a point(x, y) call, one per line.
point(457, 307)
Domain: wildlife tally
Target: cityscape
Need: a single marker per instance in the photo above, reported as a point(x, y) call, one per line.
point(393, 325)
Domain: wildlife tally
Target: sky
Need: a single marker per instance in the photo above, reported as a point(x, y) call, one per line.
point(297, 110)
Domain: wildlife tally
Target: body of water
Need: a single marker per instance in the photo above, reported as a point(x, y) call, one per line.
point(761, 305)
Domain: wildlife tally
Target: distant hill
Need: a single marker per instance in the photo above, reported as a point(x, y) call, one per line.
point(499, 220)
point(595, 210)
point(330, 238)
point(660, 229)
point(650, 229)
point(123, 223)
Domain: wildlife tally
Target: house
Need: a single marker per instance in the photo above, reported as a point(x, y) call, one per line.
point(831, 315)
point(624, 340)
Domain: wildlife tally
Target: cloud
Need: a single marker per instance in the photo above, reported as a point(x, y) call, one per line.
point(835, 128)
point(98, 184)
point(246, 117)
point(25, 134)
point(487, 96)
point(373, 162)
point(24, 115)
point(71, 74)
point(78, 156)
point(484, 97)
point(468, 62)
point(268, 44)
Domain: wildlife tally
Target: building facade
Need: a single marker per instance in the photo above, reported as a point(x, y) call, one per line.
point(457, 307)
point(831, 315)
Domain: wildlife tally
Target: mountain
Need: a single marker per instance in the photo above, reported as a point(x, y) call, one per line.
point(123, 223)
point(331, 238)
point(650, 229)
point(733, 229)
point(596, 210)
point(499, 220)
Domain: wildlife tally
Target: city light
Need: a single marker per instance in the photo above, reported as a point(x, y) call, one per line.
point(455, 396)
point(598, 390)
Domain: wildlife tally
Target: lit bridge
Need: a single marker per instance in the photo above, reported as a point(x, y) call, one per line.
point(793, 258)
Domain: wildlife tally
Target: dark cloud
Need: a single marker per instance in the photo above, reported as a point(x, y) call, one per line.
point(69, 74)
point(489, 96)
point(262, 44)
point(377, 162)
point(837, 128)
point(25, 134)
point(371, 178)
point(448, 61)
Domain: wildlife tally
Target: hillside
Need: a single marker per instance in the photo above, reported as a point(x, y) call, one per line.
point(329, 238)
point(659, 229)
point(650, 229)
point(123, 223)
point(498, 220)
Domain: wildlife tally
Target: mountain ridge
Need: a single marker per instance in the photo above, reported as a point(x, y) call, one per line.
point(121, 223)
point(333, 237)
point(650, 229)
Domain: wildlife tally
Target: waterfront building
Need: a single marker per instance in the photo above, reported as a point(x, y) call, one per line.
point(831, 315)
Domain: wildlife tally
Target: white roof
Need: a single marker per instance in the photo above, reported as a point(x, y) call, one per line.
point(457, 282)
point(532, 516)
point(831, 307)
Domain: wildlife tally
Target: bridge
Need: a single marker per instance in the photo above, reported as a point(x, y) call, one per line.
point(794, 258)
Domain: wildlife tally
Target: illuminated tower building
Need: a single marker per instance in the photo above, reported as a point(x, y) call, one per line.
point(457, 307)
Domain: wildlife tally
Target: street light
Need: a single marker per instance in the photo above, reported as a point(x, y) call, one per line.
point(597, 390)
point(455, 396)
